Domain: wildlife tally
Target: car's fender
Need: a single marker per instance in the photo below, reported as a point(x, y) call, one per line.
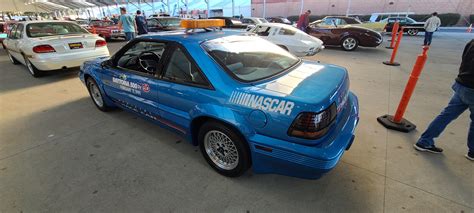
point(90, 68)
point(220, 113)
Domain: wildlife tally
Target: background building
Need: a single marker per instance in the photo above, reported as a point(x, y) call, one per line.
point(359, 7)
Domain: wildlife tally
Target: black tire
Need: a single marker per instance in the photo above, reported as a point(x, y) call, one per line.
point(236, 139)
point(412, 32)
point(284, 47)
point(13, 59)
point(32, 69)
point(101, 105)
point(349, 43)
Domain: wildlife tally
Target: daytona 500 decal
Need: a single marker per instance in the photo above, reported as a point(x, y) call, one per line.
point(129, 86)
point(261, 102)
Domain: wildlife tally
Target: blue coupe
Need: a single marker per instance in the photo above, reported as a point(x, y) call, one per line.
point(246, 102)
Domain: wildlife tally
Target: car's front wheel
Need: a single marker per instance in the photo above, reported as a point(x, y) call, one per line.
point(96, 95)
point(349, 43)
point(32, 69)
point(224, 149)
point(412, 32)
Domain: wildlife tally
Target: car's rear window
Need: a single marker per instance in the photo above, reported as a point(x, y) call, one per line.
point(42, 29)
point(250, 58)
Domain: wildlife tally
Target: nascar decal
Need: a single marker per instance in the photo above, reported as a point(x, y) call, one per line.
point(261, 102)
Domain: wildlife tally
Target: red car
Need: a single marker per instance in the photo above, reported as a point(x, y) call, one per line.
point(105, 29)
point(5, 27)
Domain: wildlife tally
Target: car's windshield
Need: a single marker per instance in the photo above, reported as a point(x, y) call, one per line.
point(250, 58)
point(42, 29)
point(262, 20)
point(170, 22)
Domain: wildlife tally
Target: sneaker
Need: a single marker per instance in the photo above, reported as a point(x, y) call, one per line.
point(432, 149)
point(470, 156)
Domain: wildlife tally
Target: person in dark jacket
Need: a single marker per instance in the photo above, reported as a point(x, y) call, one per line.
point(141, 23)
point(462, 100)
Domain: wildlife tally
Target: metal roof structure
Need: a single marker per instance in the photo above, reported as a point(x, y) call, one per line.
point(59, 5)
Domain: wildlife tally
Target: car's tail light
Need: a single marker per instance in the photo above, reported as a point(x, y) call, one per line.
point(100, 43)
point(43, 49)
point(311, 125)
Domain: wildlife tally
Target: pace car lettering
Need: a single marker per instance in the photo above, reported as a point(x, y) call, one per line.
point(262, 102)
point(127, 85)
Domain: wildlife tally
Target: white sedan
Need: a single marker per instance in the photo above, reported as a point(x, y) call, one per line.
point(288, 37)
point(52, 45)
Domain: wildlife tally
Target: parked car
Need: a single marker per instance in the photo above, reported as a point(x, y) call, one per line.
point(246, 102)
point(348, 37)
point(279, 19)
point(343, 21)
point(232, 22)
point(106, 29)
point(411, 27)
point(289, 38)
point(52, 45)
point(163, 24)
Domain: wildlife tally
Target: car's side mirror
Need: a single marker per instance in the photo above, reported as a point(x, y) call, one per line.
point(106, 63)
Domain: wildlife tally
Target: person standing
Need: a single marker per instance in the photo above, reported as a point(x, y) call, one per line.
point(127, 24)
point(140, 22)
point(462, 100)
point(431, 25)
point(303, 21)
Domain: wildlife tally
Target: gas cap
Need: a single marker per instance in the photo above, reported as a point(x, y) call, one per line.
point(257, 118)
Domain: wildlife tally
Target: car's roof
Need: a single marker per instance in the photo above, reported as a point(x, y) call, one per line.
point(195, 37)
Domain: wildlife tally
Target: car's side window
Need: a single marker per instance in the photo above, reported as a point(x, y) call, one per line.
point(288, 32)
point(143, 56)
point(182, 70)
point(262, 30)
point(19, 31)
point(16, 31)
point(11, 33)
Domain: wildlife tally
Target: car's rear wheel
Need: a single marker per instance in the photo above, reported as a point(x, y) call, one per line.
point(12, 59)
point(32, 69)
point(349, 43)
point(96, 95)
point(224, 149)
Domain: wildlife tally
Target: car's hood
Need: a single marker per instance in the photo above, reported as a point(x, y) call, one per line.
point(312, 86)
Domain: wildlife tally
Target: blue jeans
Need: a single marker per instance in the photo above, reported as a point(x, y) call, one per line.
point(129, 36)
point(462, 100)
point(428, 37)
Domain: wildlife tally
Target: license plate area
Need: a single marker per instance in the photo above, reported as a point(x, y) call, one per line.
point(76, 45)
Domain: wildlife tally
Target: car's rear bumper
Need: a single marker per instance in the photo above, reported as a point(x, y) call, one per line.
point(69, 60)
point(271, 155)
